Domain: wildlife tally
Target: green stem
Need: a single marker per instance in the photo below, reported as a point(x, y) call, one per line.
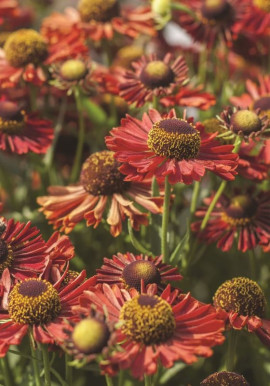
point(252, 263)
point(68, 370)
point(213, 203)
point(195, 194)
point(6, 371)
point(79, 150)
point(109, 381)
point(147, 380)
point(155, 102)
point(34, 362)
point(183, 8)
point(121, 378)
point(202, 71)
point(165, 220)
point(231, 350)
point(135, 242)
point(46, 364)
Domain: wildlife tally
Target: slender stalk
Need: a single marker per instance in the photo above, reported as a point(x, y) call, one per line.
point(121, 378)
point(231, 350)
point(165, 220)
point(78, 156)
point(155, 102)
point(195, 194)
point(34, 362)
point(202, 74)
point(46, 364)
point(213, 203)
point(6, 371)
point(109, 381)
point(183, 8)
point(68, 370)
point(252, 263)
point(147, 380)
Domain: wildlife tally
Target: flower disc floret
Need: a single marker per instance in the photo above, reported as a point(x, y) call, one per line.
point(33, 301)
point(174, 138)
point(242, 296)
point(157, 74)
point(12, 118)
point(148, 319)
point(217, 10)
point(6, 256)
point(240, 211)
point(262, 4)
point(134, 272)
point(90, 336)
point(100, 174)
point(73, 69)
point(224, 378)
point(98, 10)
point(25, 46)
point(245, 121)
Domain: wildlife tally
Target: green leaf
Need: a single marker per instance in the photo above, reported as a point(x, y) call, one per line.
point(172, 372)
point(181, 248)
point(96, 114)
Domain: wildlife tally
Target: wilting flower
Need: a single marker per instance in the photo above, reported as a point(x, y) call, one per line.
point(152, 77)
point(70, 73)
point(128, 271)
point(212, 20)
point(90, 337)
point(22, 249)
point(243, 122)
point(225, 378)
point(21, 132)
point(157, 329)
point(243, 217)
point(100, 181)
point(244, 303)
point(167, 145)
point(43, 307)
point(257, 96)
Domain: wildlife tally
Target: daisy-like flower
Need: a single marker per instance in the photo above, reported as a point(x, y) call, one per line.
point(256, 97)
point(90, 338)
point(70, 73)
point(244, 304)
point(100, 182)
point(244, 217)
point(157, 329)
point(26, 53)
point(252, 164)
point(37, 304)
point(128, 270)
point(213, 20)
point(21, 132)
point(152, 77)
point(256, 21)
point(167, 145)
point(226, 378)
point(190, 97)
point(243, 122)
point(22, 249)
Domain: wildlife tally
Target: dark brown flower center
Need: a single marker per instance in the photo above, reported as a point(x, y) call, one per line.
point(100, 174)
point(157, 74)
point(240, 211)
point(241, 295)
point(12, 118)
point(33, 301)
point(216, 10)
point(174, 138)
point(98, 10)
point(3, 251)
point(246, 121)
point(6, 256)
point(224, 378)
point(25, 46)
point(134, 272)
point(148, 319)
point(90, 336)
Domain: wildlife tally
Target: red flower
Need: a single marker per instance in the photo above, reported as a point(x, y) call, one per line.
point(244, 217)
point(21, 132)
point(100, 181)
point(252, 166)
point(128, 270)
point(152, 77)
point(44, 307)
point(22, 249)
point(157, 329)
point(256, 21)
point(167, 145)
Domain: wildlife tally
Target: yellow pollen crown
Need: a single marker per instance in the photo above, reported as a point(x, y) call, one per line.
point(262, 4)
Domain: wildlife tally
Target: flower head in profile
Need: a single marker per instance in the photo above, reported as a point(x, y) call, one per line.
point(42, 306)
point(152, 77)
point(157, 329)
point(243, 217)
point(225, 378)
point(212, 21)
point(101, 186)
point(128, 270)
point(21, 132)
point(244, 304)
point(169, 146)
